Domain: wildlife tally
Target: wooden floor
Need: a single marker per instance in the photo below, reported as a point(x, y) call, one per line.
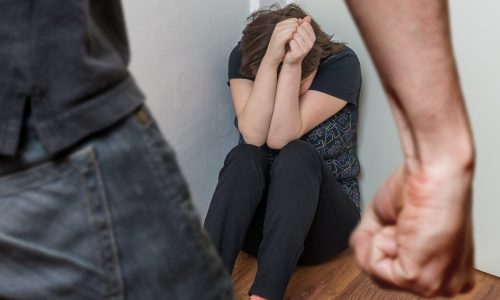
point(340, 278)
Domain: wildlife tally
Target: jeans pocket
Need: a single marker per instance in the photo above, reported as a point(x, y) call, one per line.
point(183, 214)
point(162, 155)
point(56, 237)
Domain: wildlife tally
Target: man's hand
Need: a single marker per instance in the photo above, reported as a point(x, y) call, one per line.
point(282, 34)
point(302, 42)
point(416, 233)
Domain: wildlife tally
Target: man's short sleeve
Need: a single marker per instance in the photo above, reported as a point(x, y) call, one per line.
point(339, 76)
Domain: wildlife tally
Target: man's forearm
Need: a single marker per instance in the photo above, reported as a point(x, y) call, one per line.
point(410, 45)
point(416, 233)
point(286, 121)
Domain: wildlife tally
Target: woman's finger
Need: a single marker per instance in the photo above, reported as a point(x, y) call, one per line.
point(294, 46)
point(283, 27)
point(305, 36)
point(309, 29)
point(300, 40)
point(288, 22)
point(286, 36)
point(287, 30)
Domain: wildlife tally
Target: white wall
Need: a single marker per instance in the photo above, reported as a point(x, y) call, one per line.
point(179, 57)
point(476, 33)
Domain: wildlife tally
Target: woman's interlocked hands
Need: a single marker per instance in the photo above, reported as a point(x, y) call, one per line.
point(301, 43)
point(290, 42)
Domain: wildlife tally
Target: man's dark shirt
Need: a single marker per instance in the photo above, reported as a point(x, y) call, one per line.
point(67, 60)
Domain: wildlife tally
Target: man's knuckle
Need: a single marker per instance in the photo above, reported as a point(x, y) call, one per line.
point(432, 290)
point(410, 275)
point(434, 286)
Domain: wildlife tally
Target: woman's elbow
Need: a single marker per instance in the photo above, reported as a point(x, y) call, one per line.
point(276, 142)
point(253, 139)
point(257, 143)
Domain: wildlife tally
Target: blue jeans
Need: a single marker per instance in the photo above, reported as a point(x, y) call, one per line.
point(110, 218)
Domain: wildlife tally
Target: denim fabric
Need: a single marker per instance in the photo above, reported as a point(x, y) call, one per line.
point(111, 218)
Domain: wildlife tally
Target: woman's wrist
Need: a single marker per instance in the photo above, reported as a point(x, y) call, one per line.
point(269, 61)
point(291, 67)
point(294, 64)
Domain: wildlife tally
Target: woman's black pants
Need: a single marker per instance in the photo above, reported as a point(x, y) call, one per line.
point(289, 212)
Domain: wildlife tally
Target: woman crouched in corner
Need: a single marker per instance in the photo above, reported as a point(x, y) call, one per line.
point(288, 193)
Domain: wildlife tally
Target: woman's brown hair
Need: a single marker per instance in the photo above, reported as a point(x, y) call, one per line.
point(258, 32)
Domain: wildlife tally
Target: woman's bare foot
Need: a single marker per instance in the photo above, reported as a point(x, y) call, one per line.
point(255, 297)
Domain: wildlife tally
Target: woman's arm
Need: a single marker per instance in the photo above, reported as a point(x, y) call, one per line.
point(286, 122)
point(254, 101)
point(295, 115)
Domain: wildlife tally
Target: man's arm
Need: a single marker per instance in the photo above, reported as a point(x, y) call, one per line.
point(416, 233)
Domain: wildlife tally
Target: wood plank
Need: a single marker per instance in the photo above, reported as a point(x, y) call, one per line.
point(340, 278)
point(487, 287)
point(315, 282)
point(243, 275)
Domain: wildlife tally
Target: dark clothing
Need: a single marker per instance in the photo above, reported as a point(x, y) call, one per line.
point(335, 139)
point(68, 61)
point(110, 219)
point(288, 211)
point(92, 202)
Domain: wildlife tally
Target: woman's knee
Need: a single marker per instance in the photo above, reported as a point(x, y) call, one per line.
point(246, 152)
point(246, 158)
point(298, 146)
point(300, 152)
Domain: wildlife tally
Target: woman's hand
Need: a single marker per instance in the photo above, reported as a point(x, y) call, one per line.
point(282, 34)
point(302, 42)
